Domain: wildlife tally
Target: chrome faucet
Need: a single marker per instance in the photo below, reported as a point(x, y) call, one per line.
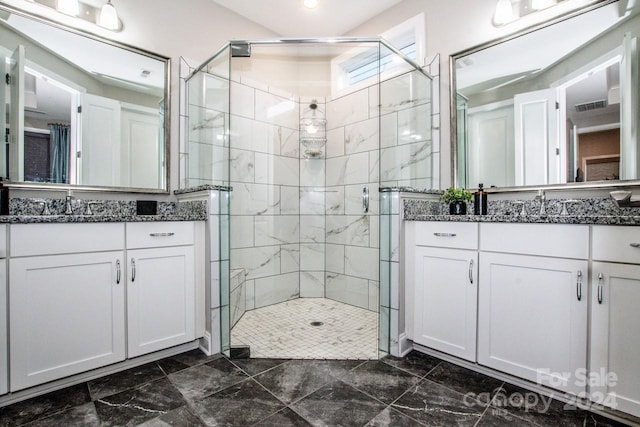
point(541, 196)
point(68, 209)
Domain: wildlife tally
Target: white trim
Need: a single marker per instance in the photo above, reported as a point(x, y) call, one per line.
point(37, 130)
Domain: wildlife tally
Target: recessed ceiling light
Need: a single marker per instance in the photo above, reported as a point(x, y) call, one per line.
point(311, 4)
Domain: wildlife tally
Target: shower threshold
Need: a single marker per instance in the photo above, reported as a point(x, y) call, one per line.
point(309, 328)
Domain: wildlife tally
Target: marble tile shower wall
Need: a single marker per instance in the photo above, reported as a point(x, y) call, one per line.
point(264, 171)
point(352, 157)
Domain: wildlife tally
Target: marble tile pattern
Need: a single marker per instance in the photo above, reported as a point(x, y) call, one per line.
point(192, 389)
point(284, 330)
point(27, 210)
point(603, 211)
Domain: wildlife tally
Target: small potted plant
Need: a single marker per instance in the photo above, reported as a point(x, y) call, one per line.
point(457, 199)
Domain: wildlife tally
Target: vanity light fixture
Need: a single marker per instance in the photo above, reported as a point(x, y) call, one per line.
point(68, 7)
point(503, 13)
point(109, 17)
point(310, 4)
point(104, 17)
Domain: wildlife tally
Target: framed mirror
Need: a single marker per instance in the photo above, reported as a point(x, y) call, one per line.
point(555, 106)
point(80, 111)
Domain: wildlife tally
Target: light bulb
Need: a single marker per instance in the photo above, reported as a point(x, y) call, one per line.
point(109, 17)
point(504, 12)
point(69, 7)
point(311, 4)
point(311, 129)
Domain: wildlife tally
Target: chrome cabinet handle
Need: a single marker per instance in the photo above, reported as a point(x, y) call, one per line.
point(471, 271)
point(133, 270)
point(118, 272)
point(161, 234)
point(365, 199)
point(634, 245)
point(600, 288)
point(579, 286)
point(444, 234)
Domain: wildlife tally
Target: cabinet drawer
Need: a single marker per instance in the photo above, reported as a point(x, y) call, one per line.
point(614, 243)
point(53, 239)
point(159, 234)
point(563, 241)
point(462, 235)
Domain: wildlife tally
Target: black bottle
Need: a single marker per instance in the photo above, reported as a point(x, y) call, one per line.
point(480, 201)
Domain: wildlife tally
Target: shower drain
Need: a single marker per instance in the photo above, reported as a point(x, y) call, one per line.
point(316, 323)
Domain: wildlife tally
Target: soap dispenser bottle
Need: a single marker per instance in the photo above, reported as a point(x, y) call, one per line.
point(480, 201)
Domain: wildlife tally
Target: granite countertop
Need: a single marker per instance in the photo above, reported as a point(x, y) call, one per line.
point(602, 211)
point(29, 211)
point(531, 219)
point(59, 219)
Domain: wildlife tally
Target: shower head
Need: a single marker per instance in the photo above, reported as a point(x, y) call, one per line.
point(313, 105)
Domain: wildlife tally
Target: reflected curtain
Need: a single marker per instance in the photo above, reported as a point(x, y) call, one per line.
point(60, 152)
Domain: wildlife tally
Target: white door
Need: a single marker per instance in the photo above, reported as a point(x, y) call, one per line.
point(141, 148)
point(160, 298)
point(629, 104)
point(66, 315)
point(532, 318)
point(16, 116)
point(445, 300)
point(615, 336)
point(537, 153)
point(490, 148)
point(99, 141)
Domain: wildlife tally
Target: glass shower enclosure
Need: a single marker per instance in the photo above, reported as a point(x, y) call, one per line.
point(305, 134)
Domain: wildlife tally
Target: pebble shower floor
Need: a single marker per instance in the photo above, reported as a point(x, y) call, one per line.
point(285, 331)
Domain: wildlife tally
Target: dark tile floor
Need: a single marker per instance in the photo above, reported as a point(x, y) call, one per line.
point(191, 389)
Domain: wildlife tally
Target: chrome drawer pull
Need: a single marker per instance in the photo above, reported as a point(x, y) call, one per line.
point(161, 234)
point(600, 284)
point(471, 271)
point(118, 272)
point(445, 234)
point(634, 245)
point(133, 270)
point(579, 286)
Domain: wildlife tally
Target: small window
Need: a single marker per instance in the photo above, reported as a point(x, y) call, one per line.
point(357, 68)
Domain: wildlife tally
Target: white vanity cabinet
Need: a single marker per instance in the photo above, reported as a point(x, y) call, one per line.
point(160, 286)
point(533, 302)
point(615, 318)
point(67, 300)
point(445, 287)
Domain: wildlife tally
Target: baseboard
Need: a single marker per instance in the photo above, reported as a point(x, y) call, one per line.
point(204, 343)
point(405, 344)
point(21, 395)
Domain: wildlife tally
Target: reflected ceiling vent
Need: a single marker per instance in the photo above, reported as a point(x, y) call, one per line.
point(592, 105)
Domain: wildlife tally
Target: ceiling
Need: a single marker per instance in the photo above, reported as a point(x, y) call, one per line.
point(289, 18)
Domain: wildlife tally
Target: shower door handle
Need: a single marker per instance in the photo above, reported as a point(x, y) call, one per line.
point(365, 199)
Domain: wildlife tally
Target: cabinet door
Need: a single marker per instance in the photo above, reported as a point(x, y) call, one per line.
point(66, 315)
point(532, 318)
point(615, 336)
point(160, 298)
point(446, 300)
